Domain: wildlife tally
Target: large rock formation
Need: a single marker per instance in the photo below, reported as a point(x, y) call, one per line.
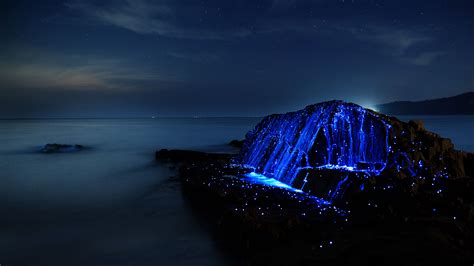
point(336, 184)
point(328, 147)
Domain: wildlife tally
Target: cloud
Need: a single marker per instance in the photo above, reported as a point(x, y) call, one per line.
point(398, 40)
point(406, 45)
point(161, 18)
point(425, 59)
point(146, 17)
point(70, 72)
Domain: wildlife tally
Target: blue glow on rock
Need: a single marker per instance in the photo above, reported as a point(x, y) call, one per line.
point(331, 135)
point(256, 178)
point(261, 179)
point(338, 191)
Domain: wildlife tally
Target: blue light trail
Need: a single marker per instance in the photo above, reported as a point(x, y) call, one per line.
point(331, 135)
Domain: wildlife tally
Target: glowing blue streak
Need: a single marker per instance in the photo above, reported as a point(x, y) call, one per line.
point(337, 191)
point(272, 182)
point(332, 135)
point(256, 178)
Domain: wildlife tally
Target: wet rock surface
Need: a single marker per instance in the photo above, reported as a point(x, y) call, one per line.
point(61, 148)
point(412, 204)
point(262, 225)
point(295, 147)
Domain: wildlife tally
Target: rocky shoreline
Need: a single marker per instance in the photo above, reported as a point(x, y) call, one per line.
point(418, 210)
point(394, 226)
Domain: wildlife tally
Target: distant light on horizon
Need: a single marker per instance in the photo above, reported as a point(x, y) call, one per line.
point(371, 107)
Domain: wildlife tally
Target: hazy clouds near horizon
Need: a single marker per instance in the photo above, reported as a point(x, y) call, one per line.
point(84, 58)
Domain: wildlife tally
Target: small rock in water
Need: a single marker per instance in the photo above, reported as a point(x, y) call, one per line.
point(60, 148)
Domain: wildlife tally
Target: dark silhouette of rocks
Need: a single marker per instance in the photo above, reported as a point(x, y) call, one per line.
point(186, 156)
point(462, 104)
point(411, 202)
point(61, 148)
point(236, 143)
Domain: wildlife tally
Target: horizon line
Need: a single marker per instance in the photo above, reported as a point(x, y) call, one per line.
point(125, 117)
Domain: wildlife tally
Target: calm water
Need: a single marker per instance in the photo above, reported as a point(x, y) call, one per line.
point(112, 204)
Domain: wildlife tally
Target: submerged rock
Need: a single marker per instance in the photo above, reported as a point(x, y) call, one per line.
point(61, 148)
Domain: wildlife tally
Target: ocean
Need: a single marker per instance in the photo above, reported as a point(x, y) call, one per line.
point(112, 204)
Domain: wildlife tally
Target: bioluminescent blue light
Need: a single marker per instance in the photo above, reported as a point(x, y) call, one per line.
point(256, 178)
point(330, 135)
point(339, 190)
point(261, 179)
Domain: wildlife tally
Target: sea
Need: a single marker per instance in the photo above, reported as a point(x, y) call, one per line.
point(111, 203)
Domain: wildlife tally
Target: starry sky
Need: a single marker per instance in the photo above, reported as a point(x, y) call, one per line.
point(130, 58)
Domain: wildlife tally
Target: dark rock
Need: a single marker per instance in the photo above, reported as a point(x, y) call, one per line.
point(417, 124)
point(61, 148)
point(345, 137)
point(370, 182)
point(236, 143)
point(265, 225)
point(186, 156)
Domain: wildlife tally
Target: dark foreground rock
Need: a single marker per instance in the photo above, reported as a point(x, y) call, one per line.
point(61, 148)
point(265, 225)
point(335, 184)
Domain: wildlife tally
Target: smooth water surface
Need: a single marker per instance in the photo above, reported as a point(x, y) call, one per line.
point(107, 205)
point(112, 204)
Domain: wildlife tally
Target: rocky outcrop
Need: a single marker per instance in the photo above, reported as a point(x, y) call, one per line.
point(334, 179)
point(303, 148)
point(61, 148)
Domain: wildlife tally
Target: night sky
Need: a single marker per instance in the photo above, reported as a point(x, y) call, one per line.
point(133, 58)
